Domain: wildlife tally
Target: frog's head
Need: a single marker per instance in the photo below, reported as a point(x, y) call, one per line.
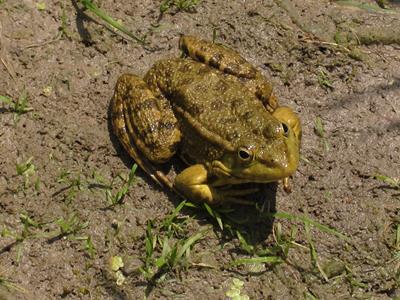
point(265, 157)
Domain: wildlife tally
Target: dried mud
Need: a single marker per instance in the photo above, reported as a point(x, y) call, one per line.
point(69, 80)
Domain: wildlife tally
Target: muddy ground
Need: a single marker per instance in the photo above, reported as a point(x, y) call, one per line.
point(336, 64)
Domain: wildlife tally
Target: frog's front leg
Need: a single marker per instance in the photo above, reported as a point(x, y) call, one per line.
point(193, 183)
point(230, 62)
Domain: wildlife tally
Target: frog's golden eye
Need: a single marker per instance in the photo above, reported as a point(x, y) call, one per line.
point(245, 154)
point(285, 129)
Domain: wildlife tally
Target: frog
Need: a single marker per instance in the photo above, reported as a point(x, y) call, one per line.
point(217, 113)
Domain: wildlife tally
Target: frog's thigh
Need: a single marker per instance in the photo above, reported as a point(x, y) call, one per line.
point(230, 62)
point(217, 56)
point(192, 183)
point(144, 119)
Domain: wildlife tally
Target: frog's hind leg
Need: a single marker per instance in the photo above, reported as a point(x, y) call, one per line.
point(217, 56)
point(230, 62)
point(146, 128)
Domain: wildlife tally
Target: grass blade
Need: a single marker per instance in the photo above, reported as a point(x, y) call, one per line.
point(101, 14)
point(189, 242)
point(243, 243)
point(6, 100)
point(215, 215)
point(393, 182)
point(313, 251)
point(257, 260)
point(304, 219)
point(168, 221)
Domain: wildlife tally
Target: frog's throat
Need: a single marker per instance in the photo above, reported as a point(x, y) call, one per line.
point(202, 131)
point(224, 175)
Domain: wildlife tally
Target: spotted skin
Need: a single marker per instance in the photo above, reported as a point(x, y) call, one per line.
point(230, 62)
point(217, 112)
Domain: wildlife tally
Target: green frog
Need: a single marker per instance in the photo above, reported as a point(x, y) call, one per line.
point(215, 111)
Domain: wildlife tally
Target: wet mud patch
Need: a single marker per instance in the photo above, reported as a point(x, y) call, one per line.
point(68, 206)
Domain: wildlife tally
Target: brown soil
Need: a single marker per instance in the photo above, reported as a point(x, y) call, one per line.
point(69, 79)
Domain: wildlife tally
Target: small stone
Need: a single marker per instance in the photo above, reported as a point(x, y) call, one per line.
point(131, 266)
point(334, 268)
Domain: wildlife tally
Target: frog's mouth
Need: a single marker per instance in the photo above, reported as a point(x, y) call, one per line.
point(257, 172)
point(251, 174)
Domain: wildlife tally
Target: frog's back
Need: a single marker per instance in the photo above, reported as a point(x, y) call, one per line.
point(215, 110)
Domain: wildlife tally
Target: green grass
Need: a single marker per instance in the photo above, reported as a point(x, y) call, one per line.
point(9, 284)
point(110, 21)
point(70, 226)
point(218, 214)
point(88, 246)
point(26, 170)
point(277, 253)
point(29, 231)
point(392, 182)
point(305, 219)
point(74, 184)
point(319, 130)
point(324, 80)
point(28, 226)
point(118, 197)
point(257, 260)
point(376, 7)
point(168, 246)
point(41, 6)
point(284, 242)
point(64, 24)
point(115, 189)
point(313, 251)
point(18, 107)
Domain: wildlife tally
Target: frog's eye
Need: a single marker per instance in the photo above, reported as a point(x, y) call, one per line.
point(285, 129)
point(245, 154)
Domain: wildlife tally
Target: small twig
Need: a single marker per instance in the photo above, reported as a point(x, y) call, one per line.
point(58, 36)
point(326, 43)
point(7, 68)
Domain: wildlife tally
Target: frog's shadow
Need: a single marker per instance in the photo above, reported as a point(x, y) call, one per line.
point(244, 218)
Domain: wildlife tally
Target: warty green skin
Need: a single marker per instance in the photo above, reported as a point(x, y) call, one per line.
point(218, 113)
point(217, 116)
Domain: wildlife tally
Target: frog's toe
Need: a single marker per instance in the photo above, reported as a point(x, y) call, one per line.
point(286, 185)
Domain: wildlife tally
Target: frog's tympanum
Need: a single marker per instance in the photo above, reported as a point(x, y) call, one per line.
point(217, 112)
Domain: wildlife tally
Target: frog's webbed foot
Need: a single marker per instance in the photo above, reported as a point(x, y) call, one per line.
point(193, 184)
point(230, 62)
point(140, 126)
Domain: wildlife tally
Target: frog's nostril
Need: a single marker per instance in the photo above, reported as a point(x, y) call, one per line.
point(269, 162)
point(285, 129)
